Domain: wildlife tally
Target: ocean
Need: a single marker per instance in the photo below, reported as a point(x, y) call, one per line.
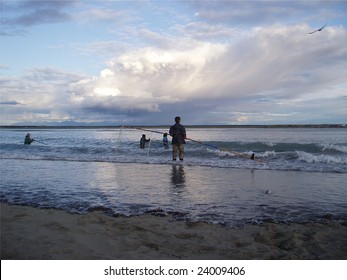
point(299, 175)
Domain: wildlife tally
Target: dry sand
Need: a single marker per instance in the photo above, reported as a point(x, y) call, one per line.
point(31, 233)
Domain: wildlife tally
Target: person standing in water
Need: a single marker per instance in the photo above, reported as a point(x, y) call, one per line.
point(165, 140)
point(28, 140)
point(143, 141)
point(178, 134)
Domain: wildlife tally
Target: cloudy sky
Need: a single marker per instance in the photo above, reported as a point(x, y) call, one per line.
point(144, 62)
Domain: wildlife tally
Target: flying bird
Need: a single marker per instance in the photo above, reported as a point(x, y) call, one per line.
point(320, 29)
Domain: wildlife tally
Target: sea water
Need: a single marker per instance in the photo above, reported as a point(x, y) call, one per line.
point(300, 176)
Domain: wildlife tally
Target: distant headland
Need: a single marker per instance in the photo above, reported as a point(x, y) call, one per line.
point(165, 126)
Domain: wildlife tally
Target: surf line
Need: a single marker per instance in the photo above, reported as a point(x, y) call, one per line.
point(252, 157)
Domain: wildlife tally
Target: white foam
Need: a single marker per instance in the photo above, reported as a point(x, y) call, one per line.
point(329, 159)
point(334, 147)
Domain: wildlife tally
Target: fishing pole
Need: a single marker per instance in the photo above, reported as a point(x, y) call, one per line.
point(119, 139)
point(149, 145)
point(252, 157)
point(140, 128)
point(40, 142)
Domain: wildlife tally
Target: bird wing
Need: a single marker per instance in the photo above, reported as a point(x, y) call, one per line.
point(319, 29)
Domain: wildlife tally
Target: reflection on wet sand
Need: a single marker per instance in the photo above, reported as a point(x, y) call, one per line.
point(178, 176)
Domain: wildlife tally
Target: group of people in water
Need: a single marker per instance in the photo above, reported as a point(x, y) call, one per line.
point(177, 132)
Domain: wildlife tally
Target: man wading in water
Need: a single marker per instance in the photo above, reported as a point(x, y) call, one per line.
point(28, 140)
point(178, 134)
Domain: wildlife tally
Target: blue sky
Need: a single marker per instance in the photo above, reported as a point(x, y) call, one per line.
point(144, 62)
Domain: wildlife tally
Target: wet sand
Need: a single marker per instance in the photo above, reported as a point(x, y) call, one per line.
point(29, 233)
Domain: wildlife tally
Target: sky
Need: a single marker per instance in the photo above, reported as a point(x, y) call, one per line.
point(145, 62)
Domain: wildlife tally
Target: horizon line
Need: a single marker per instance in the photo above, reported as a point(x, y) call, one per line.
point(336, 125)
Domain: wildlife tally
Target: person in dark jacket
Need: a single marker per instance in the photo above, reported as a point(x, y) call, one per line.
point(28, 140)
point(143, 141)
point(178, 134)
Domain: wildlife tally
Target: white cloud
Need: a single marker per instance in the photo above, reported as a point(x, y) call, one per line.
point(285, 64)
point(253, 59)
point(146, 78)
point(40, 94)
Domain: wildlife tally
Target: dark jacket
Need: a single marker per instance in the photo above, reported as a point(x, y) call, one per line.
point(178, 133)
point(28, 140)
point(143, 141)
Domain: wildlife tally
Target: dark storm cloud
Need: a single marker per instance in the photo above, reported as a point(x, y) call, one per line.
point(18, 16)
point(11, 103)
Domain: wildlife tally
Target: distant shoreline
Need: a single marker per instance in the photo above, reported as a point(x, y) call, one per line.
point(166, 126)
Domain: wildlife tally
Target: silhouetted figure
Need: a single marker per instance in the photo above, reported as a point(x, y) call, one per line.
point(28, 140)
point(178, 133)
point(143, 141)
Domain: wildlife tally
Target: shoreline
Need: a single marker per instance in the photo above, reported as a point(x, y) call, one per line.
point(29, 233)
point(88, 126)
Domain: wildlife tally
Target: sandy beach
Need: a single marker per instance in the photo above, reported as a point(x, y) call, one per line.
point(38, 234)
